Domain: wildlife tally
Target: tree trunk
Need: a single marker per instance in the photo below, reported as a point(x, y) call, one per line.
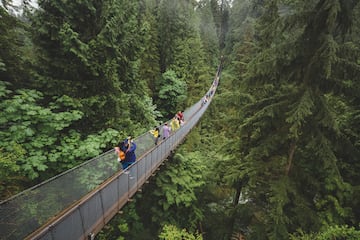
point(238, 186)
point(290, 158)
point(237, 194)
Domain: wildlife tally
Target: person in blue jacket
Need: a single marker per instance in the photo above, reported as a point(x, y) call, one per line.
point(128, 147)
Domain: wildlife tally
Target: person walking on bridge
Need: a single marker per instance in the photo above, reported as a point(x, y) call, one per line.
point(156, 134)
point(175, 124)
point(166, 131)
point(128, 147)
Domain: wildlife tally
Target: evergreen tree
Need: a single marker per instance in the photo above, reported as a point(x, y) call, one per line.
point(333, 232)
point(220, 11)
point(84, 78)
point(150, 59)
point(101, 39)
point(289, 150)
point(13, 58)
point(208, 33)
point(173, 199)
point(183, 62)
point(181, 48)
point(172, 93)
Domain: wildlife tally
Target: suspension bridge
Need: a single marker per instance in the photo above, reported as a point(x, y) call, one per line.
point(78, 203)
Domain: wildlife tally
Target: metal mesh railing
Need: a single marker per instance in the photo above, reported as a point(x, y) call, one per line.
point(27, 211)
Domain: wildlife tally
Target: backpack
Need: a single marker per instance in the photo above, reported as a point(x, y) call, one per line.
point(121, 155)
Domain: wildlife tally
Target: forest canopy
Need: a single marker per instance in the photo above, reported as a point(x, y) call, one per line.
point(275, 157)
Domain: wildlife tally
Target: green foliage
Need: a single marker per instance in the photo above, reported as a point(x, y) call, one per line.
point(127, 225)
point(34, 127)
point(150, 57)
point(99, 61)
point(172, 232)
point(182, 46)
point(172, 93)
point(329, 233)
point(10, 172)
point(13, 56)
point(208, 33)
point(286, 152)
point(87, 73)
point(172, 197)
point(42, 134)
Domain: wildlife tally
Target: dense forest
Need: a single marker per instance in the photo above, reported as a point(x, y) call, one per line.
point(277, 154)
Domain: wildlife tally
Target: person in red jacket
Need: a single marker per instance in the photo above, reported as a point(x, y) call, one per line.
point(180, 116)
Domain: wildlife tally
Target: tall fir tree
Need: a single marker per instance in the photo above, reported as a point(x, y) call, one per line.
point(290, 133)
point(14, 57)
point(181, 48)
point(90, 51)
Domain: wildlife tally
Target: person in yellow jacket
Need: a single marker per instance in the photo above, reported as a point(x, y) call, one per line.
point(175, 124)
point(156, 133)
